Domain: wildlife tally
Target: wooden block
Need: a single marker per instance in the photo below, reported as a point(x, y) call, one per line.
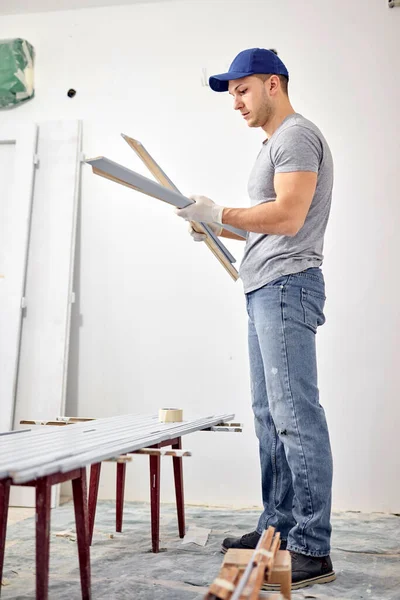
point(124, 458)
point(223, 586)
point(58, 421)
point(253, 568)
point(235, 556)
point(282, 564)
point(163, 452)
point(281, 573)
point(54, 423)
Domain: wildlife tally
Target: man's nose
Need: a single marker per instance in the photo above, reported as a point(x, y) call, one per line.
point(237, 103)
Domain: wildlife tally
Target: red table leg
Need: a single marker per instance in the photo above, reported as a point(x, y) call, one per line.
point(4, 500)
point(43, 499)
point(178, 476)
point(95, 471)
point(155, 501)
point(121, 470)
point(79, 489)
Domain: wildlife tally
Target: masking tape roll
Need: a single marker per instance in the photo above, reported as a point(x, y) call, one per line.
point(170, 415)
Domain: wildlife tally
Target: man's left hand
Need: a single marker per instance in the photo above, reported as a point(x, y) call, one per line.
point(203, 210)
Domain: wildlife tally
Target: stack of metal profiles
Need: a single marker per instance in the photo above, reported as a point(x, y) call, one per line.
point(28, 454)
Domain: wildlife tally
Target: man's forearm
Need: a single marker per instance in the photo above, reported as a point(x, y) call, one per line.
point(275, 217)
point(267, 217)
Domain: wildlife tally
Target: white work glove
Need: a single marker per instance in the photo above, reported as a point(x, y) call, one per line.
point(200, 237)
point(203, 210)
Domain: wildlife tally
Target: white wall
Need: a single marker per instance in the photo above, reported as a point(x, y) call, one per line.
point(158, 322)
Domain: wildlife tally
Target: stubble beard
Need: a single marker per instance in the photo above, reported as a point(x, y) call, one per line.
point(264, 114)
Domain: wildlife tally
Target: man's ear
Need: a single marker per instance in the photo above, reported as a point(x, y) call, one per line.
point(272, 85)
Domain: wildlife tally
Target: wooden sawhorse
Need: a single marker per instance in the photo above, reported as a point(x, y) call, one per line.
point(155, 473)
point(43, 508)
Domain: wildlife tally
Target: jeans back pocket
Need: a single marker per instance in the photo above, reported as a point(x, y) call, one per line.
point(313, 308)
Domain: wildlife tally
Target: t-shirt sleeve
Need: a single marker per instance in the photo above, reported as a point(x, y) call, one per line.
point(296, 148)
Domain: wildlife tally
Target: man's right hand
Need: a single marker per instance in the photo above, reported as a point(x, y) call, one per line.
point(200, 237)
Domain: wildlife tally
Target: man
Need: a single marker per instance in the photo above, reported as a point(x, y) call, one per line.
point(290, 190)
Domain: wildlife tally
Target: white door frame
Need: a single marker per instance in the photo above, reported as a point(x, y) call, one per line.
point(44, 341)
point(12, 282)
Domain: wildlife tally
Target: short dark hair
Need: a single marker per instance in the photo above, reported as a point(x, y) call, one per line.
point(282, 78)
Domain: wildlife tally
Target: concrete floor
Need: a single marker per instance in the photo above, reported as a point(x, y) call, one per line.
point(365, 553)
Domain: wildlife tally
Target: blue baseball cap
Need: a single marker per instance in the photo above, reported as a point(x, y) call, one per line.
point(249, 62)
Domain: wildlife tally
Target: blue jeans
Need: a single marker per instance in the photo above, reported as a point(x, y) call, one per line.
point(295, 453)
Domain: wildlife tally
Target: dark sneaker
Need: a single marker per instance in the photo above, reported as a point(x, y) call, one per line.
point(248, 541)
point(308, 570)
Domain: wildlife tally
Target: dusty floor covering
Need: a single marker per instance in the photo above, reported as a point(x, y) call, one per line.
point(365, 554)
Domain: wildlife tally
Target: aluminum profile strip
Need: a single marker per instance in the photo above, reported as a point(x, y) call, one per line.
point(47, 450)
point(101, 452)
point(45, 440)
point(111, 170)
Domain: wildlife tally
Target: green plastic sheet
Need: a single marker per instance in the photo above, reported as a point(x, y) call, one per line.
point(16, 72)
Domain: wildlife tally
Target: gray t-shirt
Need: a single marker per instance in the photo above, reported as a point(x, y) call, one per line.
point(297, 145)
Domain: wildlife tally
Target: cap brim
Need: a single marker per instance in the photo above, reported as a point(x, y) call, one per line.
point(220, 83)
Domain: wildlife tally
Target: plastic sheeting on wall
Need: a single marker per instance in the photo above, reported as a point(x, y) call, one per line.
point(16, 72)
